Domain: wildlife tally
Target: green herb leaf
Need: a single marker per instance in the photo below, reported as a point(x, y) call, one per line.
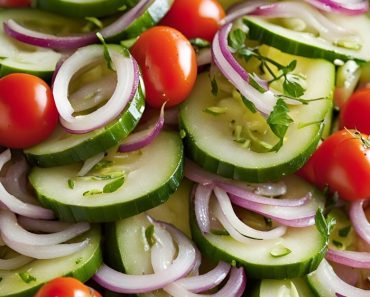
point(107, 56)
point(26, 277)
point(290, 67)
point(95, 21)
point(280, 251)
point(214, 87)
point(109, 176)
point(324, 225)
point(114, 185)
point(92, 192)
point(253, 82)
point(150, 235)
point(279, 121)
point(71, 183)
point(200, 43)
point(215, 110)
point(343, 232)
point(249, 104)
point(102, 164)
point(293, 88)
point(236, 39)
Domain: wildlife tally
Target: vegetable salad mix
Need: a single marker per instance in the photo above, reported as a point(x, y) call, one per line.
point(184, 148)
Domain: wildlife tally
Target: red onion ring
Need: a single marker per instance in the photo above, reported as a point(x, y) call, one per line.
point(359, 220)
point(23, 34)
point(236, 75)
point(14, 263)
point(349, 258)
point(10, 202)
point(122, 283)
point(348, 274)
point(226, 207)
point(138, 140)
point(347, 7)
point(127, 84)
point(242, 9)
point(327, 277)
point(201, 206)
point(42, 225)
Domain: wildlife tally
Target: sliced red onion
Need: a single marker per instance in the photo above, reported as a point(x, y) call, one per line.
point(349, 258)
point(10, 228)
point(300, 216)
point(359, 220)
point(17, 206)
point(90, 163)
point(44, 226)
point(14, 263)
point(242, 9)
point(327, 277)
point(226, 207)
point(127, 84)
point(201, 206)
point(348, 274)
point(294, 9)
point(23, 34)
point(93, 93)
point(123, 283)
point(205, 282)
point(143, 138)
point(204, 57)
point(346, 7)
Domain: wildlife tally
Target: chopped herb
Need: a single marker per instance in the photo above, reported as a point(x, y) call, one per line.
point(78, 260)
point(215, 110)
point(236, 39)
point(26, 277)
point(92, 192)
point(233, 263)
point(108, 176)
point(107, 56)
point(279, 121)
point(150, 235)
point(102, 164)
point(337, 243)
point(279, 251)
point(324, 225)
point(182, 133)
point(253, 81)
point(343, 232)
point(293, 88)
point(71, 183)
point(114, 185)
point(214, 87)
point(199, 43)
point(122, 8)
point(249, 104)
point(96, 22)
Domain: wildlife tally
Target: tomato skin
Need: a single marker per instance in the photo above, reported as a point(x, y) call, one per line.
point(356, 112)
point(195, 18)
point(168, 65)
point(27, 110)
point(342, 162)
point(66, 287)
point(15, 3)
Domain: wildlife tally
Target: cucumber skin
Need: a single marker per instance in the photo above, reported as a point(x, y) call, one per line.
point(255, 175)
point(114, 133)
point(154, 13)
point(263, 35)
point(252, 270)
point(45, 75)
point(80, 10)
point(82, 273)
point(76, 213)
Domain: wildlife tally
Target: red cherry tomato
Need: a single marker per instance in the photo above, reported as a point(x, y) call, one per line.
point(355, 113)
point(342, 162)
point(14, 3)
point(195, 18)
point(27, 110)
point(168, 65)
point(66, 287)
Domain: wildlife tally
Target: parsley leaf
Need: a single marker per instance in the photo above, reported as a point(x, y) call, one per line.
point(293, 88)
point(324, 225)
point(214, 87)
point(249, 104)
point(26, 277)
point(279, 121)
point(236, 39)
point(114, 185)
point(107, 56)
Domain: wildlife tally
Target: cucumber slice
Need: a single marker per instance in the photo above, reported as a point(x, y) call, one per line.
point(156, 10)
point(307, 45)
point(296, 287)
point(63, 148)
point(209, 138)
point(150, 175)
point(19, 57)
point(125, 238)
point(320, 287)
point(306, 244)
point(81, 265)
point(83, 8)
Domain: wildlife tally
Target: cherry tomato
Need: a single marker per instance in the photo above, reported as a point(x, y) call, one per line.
point(14, 3)
point(195, 18)
point(342, 162)
point(27, 110)
point(355, 113)
point(168, 65)
point(66, 287)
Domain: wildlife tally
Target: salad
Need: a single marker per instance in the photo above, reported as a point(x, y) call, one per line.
point(184, 148)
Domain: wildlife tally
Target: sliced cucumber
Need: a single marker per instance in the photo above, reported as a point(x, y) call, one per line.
point(306, 244)
point(126, 240)
point(306, 44)
point(81, 265)
point(63, 148)
point(83, 8)
point(209, 138)
point(150, 175)
point(296, 287)
point(156, 10)
point(19, 57)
